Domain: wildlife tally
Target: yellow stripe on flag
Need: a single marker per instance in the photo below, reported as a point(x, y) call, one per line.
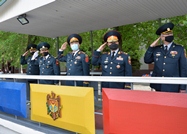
point(76, 106)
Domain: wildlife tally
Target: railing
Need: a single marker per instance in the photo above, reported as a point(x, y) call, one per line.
point(164, 80)
point(133, 79)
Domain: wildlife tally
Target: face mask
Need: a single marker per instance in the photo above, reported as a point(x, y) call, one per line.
point(75, 47)
point(169, 38)
point(45, 53)
point(31, 53)
point(113, 46)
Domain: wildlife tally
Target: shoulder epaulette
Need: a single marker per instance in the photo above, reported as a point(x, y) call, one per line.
point(121, 52)
point(81, 52)
point(104, 52)
point(159, 46)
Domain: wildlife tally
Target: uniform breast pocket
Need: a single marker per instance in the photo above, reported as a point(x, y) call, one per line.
point(77, 62)
point(104, 64)
point(49, 65)
point(173, 59)
point(119, 64)
point(157, 57)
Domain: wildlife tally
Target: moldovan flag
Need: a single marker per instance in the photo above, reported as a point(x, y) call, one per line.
point(67, 107)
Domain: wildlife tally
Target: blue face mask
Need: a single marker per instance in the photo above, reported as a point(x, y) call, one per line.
point(75, 47)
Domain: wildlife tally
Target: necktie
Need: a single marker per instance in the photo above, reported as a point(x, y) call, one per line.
point(73, 55)
point(44, 59)
point(112, 55)
point(165, 49)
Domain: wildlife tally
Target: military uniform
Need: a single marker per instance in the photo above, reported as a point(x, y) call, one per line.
point(32, 65)
point(48, 65)
point(167, 64)
point(77, 64)
point(120, 65)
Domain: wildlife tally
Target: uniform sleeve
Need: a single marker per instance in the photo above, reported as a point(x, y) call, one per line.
point(56, 68)
point(148, 57)
point(128, 70)
point(182, 63)
point(86, 65)
point(61, 57)
point(23, 61)
point(96, 58)
point(128, 67)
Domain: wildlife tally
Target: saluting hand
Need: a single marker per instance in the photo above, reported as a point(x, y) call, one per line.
point(25, 53)
point(35, 55)
point(102, 46)
point(155, 43)
point(64, 46)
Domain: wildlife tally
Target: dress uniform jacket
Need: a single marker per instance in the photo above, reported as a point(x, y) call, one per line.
point(170, 64)
point(32, 66)
point(49, 66)
point(118, 66)
point(77, 65)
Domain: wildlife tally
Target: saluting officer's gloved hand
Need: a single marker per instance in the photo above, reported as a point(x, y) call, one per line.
point(34, 55)
point(85, 84)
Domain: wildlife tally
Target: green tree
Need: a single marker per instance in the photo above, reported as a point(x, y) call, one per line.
point(136, 38)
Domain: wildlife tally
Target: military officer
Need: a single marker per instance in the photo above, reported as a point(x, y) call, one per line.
point(113, 63)
point(31, 61)
point(77, 61)
point(32, 64)
point(169, 59)
point(48, 64)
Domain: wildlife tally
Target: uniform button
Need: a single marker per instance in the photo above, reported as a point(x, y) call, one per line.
point(68, 73)
point(42, 72)
point(163, 70)
point(70, 69)
point(164, 63)
point(164, 56)
point(70, 65)
point(110, 72)
point(110, 67)
point(42, 68)
point(162, 76)
point(111, 62)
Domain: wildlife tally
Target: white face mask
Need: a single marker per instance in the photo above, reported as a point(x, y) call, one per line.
point(75, 46)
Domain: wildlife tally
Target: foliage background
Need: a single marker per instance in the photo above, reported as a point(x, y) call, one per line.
point(135, 39)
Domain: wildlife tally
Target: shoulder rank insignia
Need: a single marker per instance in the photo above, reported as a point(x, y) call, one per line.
point(53, 106)
point(125, 53)
point(81, 52)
